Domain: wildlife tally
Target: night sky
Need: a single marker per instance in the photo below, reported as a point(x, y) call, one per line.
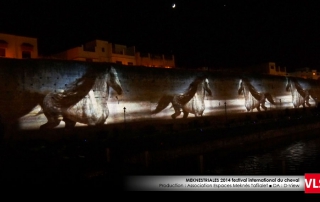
point(213, 33)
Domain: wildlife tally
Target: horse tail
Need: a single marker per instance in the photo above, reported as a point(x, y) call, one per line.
point(269, 98)
point(163, 103)
point(39, 112)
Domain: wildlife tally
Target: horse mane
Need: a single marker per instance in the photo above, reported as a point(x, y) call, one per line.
point(192, 89)
point(79, 88)
point(297, 86)
point(251, 88)
point(100, 79)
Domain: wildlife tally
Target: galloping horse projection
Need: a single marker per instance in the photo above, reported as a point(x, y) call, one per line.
point(192, 101)
point(300, 96)
point(75, 104)
point(253, 98)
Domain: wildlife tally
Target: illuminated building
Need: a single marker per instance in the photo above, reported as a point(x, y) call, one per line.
point(269, 68)
point(153, 60)
point(20, 47)
point(103, 51)
point(306, 73)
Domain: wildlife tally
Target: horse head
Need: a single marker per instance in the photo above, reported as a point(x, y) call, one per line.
point(207, 87)
point(288, 84)
point(240, 87)
point(199, 84)
point(202, 82)
point(113, 81)
point(293, 84)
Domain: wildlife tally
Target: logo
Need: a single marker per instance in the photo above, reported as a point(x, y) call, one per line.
point(311, 183)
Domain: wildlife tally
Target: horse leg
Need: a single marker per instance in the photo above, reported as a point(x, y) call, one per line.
point(51, 112)
point(69, 124)
point(248, 108)
point(185, 114)
point(52, 122)
point(258, 108)
point(174, 115)
point(307, 102)
point(177, 112)
point(264, 107)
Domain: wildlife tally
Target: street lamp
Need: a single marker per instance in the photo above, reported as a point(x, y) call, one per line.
point(225, 110)
point(280, 103)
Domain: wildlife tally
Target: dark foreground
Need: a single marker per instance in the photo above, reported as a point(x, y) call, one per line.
point(104, 157)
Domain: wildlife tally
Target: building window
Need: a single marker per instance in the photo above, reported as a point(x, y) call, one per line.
point(26, 54)
point(102, 49)
point(119, 62)
point(130, 63)
point(2, 52)
point(272, 67)
point(26, 47)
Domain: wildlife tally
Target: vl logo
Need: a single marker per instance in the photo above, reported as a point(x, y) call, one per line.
point(312, 183)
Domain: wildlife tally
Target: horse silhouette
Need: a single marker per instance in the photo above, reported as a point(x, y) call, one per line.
point(300, 96)
point(253, 98)
point(84, 101)
point(24, 84)
point(191, 101)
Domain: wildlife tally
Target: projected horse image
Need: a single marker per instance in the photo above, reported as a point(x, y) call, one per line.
point(191, 101)
point(84, 101)
point(300, 96)
point(253, 98)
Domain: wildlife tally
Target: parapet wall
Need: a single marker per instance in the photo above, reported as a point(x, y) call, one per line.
point(73, 93)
